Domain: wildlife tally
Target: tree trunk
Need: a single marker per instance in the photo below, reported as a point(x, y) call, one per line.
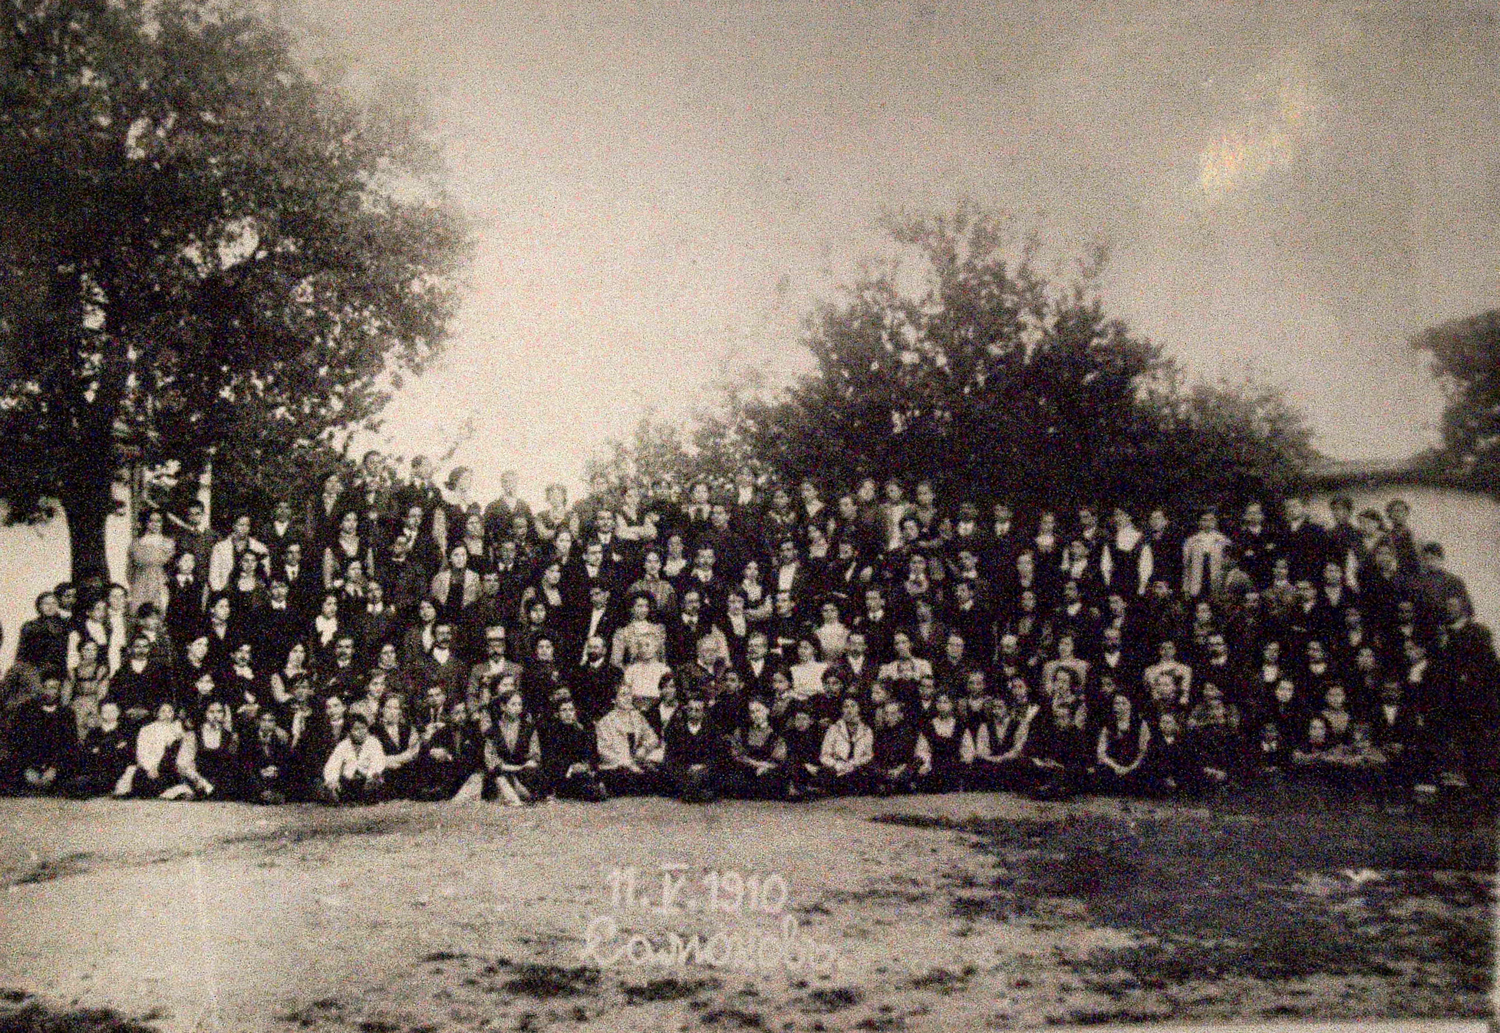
point(86, 505)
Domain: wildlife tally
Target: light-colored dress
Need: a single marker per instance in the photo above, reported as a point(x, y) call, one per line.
point(149, 557)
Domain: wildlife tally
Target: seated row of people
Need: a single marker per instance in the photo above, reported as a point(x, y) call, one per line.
point(722, 741)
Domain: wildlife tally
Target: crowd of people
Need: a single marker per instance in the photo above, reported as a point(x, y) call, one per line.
point(393, 638)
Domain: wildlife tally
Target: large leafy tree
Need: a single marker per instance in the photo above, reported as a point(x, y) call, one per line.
point(201, 246)
point(994, 381)
point(1466, 359)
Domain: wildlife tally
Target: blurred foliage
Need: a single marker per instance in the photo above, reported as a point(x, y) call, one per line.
point(1466, 360)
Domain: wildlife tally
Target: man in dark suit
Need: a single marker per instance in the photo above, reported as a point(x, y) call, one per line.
point(951, 667)
point(999, 547)
point(1165, 543)
point(489, 611)
point(1470, 672)
point(1305, 542)
point(281, 529)
point(748, 507)
point(1433, 585)
point(790, 573)
point(307, 752)
point(665, 508)
point(1400, 732)
point(684, 630)
point(44, 740)
point(194, 535)
point(484, 676)
point(856, 669)
point(267, 760)
point(280, 623)
point(149, 621)
point(344, 677)
point(1255, 546)
point(500, 514)
point(511, 577)
point(877, 624)
point(727, 543)
point(704, 578)
point(970, 619)
point(595, 681)
point(597, 619)
point(187, 592)
point(304, 585)
point(43, 640)
point(372, 494)
point(1115, 660)
point(443, 665)
point(570, 756)
point(377, 623)
point(696, 512)
point(579, 580)
point(617, 553)
point(140, 685)
point(755, 672)
point(419, 490)
point(694, 753)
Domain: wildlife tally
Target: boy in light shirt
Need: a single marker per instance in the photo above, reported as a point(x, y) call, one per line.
point(355, 770)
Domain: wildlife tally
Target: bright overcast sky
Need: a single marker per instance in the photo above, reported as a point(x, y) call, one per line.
point(1291, 189)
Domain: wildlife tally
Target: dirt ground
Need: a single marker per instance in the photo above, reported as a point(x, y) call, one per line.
point(970, 911)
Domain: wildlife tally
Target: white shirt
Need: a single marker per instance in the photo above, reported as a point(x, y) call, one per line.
point(839, 748)
point(346, 761)
point(644, 677)
point(153, 741)
point(807, 679)
point(326, 628)
point(786, 576)
point(619, 730)
point(596, 617)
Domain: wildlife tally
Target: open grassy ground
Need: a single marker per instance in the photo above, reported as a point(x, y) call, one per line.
point(961, 912)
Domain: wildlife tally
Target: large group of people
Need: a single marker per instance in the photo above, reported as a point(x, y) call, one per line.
point(393, 638)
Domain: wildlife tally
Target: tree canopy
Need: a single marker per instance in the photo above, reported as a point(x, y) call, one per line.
point(201, 247)
point(1466, 360)
point(993, 381)
point(710, 449)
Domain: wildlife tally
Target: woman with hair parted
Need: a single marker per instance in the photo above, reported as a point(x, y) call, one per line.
point(512, 754)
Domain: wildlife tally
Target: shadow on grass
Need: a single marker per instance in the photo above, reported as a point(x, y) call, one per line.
point(21, 1013)
point(548, 981)
point(56, 868)
point(308, 823)
point(668, 988)
point(1270, 896)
